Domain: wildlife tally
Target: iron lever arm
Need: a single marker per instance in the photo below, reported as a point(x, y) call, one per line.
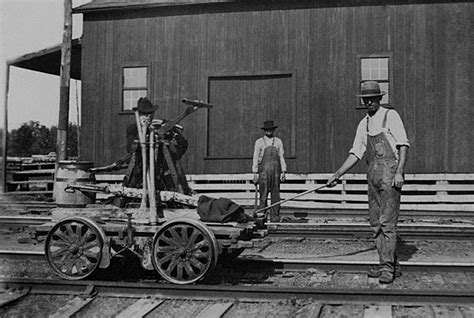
point(197, 103)
point(289, 199)
point(194, 105)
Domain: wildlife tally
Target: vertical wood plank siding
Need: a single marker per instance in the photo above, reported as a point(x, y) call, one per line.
point(209, 53)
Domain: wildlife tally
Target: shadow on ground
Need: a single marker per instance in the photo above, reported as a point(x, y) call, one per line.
point(405, 250)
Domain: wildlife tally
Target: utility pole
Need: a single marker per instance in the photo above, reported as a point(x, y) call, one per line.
point(64, 87)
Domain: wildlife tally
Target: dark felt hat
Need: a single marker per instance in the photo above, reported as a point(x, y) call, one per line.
point(370, 89)
point(269, 125)
point(145, 106)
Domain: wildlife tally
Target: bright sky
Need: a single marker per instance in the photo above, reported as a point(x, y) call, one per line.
point(27, 26)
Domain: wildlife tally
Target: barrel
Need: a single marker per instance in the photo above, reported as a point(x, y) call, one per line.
point(73, 173)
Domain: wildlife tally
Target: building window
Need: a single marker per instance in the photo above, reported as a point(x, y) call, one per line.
point(376, 68)
point(134, 86)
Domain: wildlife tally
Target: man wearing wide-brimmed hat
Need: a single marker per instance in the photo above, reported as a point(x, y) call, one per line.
point(146, 110)
point(269, 167)
point(382, 138)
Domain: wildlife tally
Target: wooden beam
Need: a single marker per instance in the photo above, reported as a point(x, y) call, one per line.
point(71, 307)
point(9, 296)
point(64, 87)
point(140, 308)
point(5, 132)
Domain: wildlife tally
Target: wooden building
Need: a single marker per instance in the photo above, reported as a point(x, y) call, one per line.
point(299, 63)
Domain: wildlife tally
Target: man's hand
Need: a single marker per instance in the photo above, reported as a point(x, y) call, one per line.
point(255, 178)
point(398, 180)
point(283, 177)
point(332, 182)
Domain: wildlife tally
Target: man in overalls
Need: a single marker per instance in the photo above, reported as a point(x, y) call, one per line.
point(269, 168)
point(381, 136)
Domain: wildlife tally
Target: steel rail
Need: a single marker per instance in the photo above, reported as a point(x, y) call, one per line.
point(242, 293)
point(23, 255)
point(355, 213)
point(348, 265)
point(252, 262)
point(357, 230)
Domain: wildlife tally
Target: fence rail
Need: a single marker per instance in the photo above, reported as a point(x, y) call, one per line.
point(421, 192)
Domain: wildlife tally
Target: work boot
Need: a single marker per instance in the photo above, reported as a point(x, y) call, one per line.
point(375, 272)
point(386, 277)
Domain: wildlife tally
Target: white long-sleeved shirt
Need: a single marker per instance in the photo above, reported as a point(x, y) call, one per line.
point(261, 144)
point(394, 131)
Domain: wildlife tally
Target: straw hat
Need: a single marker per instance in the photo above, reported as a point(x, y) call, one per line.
point(370, 89)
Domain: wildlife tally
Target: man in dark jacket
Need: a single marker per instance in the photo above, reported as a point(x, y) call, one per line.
point(175, 143)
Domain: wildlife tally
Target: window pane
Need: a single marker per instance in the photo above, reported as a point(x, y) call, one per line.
point(383, 74)
point(374, 74)
point(134, 77)
point(384, 87)
point(365, 64)
point(130, 98)
point(365, 75)
point(374, 69)
point(383, 63)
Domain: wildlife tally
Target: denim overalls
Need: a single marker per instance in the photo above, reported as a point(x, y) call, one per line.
point(384, 198)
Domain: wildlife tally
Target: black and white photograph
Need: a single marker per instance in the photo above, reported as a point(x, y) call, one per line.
point(237, 158)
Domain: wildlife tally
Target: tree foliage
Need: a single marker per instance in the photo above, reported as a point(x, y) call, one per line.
point(33, 138)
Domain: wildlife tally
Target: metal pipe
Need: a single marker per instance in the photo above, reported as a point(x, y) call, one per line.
point(151, 180)
point(196, 103)
point(289, 199)
point(143, 150)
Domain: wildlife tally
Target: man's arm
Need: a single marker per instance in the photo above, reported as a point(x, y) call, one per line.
point(399, 178)
point(349, 163)
point(256, 151)
point(282, 162)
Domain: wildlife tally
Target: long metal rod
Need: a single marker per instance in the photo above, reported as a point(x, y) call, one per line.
point(289, 199)
point(141, 137)
point(151, 180)
point(120, 289)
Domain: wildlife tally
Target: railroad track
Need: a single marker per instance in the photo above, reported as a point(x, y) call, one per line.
point(353, 213)
point(258, 297)
point(198, 291)
point(316, 230)
point(125, 299)
point(294, 264)
point(359, 230)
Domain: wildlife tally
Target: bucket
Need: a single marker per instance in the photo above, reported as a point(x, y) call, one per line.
point(69, 173)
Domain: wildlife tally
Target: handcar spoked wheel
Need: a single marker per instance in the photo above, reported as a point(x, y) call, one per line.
point(184, 251)
point(74, 248)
